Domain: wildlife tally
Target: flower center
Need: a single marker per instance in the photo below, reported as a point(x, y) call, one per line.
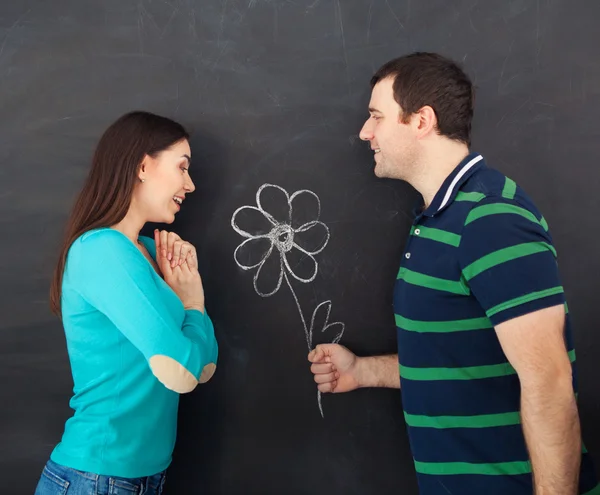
point(283, 236)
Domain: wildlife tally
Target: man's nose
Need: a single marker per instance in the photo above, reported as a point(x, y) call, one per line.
point(366, 133)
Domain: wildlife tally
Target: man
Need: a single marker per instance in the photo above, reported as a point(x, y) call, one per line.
point(484, 340)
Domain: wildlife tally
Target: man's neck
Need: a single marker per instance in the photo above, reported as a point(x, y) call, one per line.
point(435, 167)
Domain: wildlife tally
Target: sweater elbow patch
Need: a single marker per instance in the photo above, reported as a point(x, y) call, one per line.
point(172, 374)
point(207, 372)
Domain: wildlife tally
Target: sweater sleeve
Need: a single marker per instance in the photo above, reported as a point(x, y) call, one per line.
point(112, 275)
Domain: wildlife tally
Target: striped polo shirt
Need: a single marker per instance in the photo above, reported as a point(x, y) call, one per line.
point(479, 255)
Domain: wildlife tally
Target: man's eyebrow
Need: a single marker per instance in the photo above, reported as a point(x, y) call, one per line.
point(373, 109)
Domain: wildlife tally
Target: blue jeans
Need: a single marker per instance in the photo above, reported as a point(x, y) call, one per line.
point(61, 480)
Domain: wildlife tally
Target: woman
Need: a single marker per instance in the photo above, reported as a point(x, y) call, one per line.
point(133, 313)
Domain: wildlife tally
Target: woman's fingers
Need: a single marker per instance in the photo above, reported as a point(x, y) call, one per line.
point(182, 251)
point(163, 243)
point(166, 242)
point(175, 249)
point(191, 259)
point(177, 246)
point(172, 238)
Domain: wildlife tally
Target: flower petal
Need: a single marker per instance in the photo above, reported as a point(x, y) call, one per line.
point(274, 201)
point(269, 275)
point(312, 237)
point(250, 221)
point(305, 207)
point(252, 252)
point(300, 264)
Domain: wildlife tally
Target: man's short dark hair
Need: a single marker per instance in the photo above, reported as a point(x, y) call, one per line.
point(422, 79)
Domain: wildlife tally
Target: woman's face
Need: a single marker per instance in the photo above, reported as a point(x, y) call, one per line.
point(166, 181)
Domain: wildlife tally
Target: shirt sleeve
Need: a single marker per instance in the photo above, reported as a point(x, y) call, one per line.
point(507, 258)
point(112, 275)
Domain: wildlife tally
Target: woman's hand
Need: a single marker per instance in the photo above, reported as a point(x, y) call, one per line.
point(179, 265)
point(174, 248)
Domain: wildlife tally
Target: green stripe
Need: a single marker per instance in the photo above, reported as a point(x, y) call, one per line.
point(500, 208)
point(544, 224)
point(437, 235)
point(524, 299)
point(479, 421)
point(442, 326)
point(593, 491)
point(503, 255)
point(473, 197)
point(499, 468)
point(466, 373)
point(422, 280)
point(510, 188)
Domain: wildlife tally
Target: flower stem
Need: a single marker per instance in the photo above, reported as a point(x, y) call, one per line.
point(308, 338)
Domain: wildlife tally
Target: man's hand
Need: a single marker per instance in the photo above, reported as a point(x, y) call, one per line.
point(337, 369)
point(334, 367)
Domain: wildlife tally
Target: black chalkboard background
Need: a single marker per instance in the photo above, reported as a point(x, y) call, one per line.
point(275, 92)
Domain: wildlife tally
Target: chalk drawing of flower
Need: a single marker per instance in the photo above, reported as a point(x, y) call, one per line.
point(288, 246)
point(281, 246)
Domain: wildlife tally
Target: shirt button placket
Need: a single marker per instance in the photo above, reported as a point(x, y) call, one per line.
point(417, 231)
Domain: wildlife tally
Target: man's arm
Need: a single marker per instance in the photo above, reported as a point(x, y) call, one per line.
point(337, 369)
point(508, 260)
point(379, 371)
point(534, 345)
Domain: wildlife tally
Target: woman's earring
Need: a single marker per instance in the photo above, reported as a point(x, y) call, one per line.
point(142, 180)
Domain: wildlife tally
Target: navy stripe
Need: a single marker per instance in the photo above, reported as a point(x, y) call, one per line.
point(408, 299)
point(443, 265)
point(461, 397)
point(481, 237)
point(587, 479)
point(461, 484)
point(472, 348)
point(456, 444)
point(514, 279)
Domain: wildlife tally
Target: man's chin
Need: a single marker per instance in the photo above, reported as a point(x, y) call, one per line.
point(379, 171)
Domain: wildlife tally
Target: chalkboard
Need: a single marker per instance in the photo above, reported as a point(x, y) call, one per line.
point(274, 93)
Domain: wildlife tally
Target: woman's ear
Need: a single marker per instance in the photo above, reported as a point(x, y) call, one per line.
point(142, 169)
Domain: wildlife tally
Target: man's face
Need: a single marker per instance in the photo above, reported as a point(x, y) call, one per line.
point(393, 141)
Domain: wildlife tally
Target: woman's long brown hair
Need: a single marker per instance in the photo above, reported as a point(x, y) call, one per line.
point(107, 191)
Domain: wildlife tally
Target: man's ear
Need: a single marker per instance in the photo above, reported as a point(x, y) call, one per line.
point(425, 121)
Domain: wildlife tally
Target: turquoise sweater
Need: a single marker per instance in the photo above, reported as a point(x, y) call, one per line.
point(118, 313)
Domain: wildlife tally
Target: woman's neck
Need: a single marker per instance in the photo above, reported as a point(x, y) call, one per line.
point(130, 226)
